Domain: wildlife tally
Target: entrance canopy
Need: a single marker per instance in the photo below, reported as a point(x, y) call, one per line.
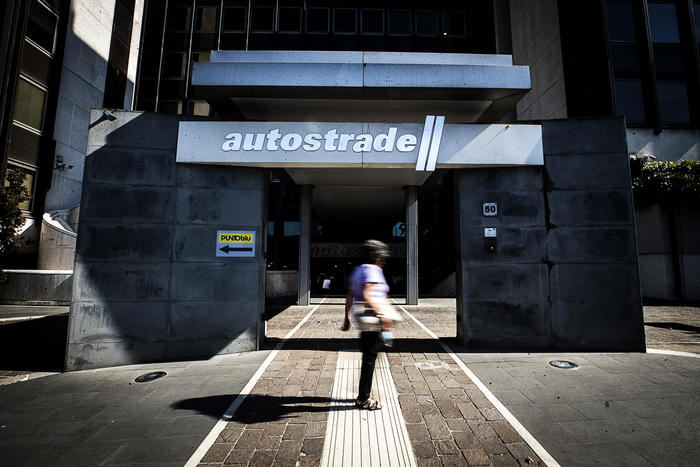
point(349, 86)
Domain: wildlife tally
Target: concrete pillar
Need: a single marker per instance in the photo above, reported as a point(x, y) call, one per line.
point(411, 245)
point(303, 293)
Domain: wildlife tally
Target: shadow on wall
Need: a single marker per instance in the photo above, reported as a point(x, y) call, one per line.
point(148, 285)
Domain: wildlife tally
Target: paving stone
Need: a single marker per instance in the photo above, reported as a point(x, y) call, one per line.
point(249, 439)
point(315, 429)
point(275, 429)
point(491, 413)
point(313, 447)
point(294, 432)
point(482, 429)
point(217, 453)
point(239, 456)
point(289, 449)
point(454, 460)
point(476, 456)
point(521, 451)
point(469, 411)
point(466, 440)
point(417, 431)
point(229, 434)
point(423, 449)
point(437, 427)
point(458, 424)
point(504, 460)
point(446, 447)
point(429, 462)
point(494, 446)
point(505, 431)
point(262, 459)
point(269, 443)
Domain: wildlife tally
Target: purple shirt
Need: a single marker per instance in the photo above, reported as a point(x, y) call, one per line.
point(367, 274)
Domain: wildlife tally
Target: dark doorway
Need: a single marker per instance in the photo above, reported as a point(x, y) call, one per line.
point(344, 217)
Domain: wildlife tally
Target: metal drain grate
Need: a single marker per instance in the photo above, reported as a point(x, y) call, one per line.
point(150, 376)
point(563, 364)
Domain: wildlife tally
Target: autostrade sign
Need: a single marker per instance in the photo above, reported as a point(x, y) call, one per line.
point(425, 146)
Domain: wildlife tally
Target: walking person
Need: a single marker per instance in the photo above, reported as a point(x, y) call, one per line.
point(365, 303)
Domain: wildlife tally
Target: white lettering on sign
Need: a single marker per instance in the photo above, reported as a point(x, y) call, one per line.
point(331, 141)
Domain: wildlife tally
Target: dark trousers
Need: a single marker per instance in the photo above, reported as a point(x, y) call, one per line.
point(370, 343)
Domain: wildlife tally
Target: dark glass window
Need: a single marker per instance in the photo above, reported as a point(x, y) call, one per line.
point(400, 22)
point(663, 21)
point(621, 22)
point(673, 102)
point(317, 20)
point(205, 19)
point(263, 19)
point(453, 24)
point(30, 101)
point(179, 18)
point(290, 19)
point(28, 183)
point(372, 21)
point(427, 23)
point(234, 19)
point(345, 20)
point(625, 58)
point(41, 26)
point(629, 100)
point(174, 65)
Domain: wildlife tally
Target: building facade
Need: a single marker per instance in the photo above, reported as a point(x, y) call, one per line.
point(564, 227)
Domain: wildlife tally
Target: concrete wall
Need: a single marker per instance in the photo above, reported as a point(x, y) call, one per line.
point(536, 43)
point(669, 254)
point(669, 145)
point(564, 274)
point(147, 284)
point(33, 287)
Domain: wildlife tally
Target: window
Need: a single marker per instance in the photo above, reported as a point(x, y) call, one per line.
point(673, 102)
point(290, 20)
point(41, 27)
point(234, 19)
point(205, 20)
point(629, 100)
point(345, 20)
point(28, 183)
point(453, 24)
point(317, 20)
point(372, 21)
point(400, 22)
point(30, 102)
point(263, 19)
point(427, 23)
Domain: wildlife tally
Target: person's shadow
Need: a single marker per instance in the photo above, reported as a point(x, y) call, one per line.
point(261, 409)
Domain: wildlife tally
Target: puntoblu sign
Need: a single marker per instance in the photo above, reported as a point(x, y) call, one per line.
point(427, 146)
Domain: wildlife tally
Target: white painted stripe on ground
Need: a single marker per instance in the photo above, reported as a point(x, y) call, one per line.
point(359, 438)
point(673, 352)
point(221, 424)
point(522, 431)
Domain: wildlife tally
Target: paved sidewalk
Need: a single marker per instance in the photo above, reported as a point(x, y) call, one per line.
point(283, 420)
point(103, 417)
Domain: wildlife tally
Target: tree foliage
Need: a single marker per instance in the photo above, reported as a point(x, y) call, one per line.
point(669, 184)
point(12, 195)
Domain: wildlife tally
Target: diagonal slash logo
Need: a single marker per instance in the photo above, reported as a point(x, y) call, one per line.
point(430, 143)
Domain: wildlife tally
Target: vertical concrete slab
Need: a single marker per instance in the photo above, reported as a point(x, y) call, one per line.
point(411, 245)
point(303, 291)
point(564, 272)
point(148, 284)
